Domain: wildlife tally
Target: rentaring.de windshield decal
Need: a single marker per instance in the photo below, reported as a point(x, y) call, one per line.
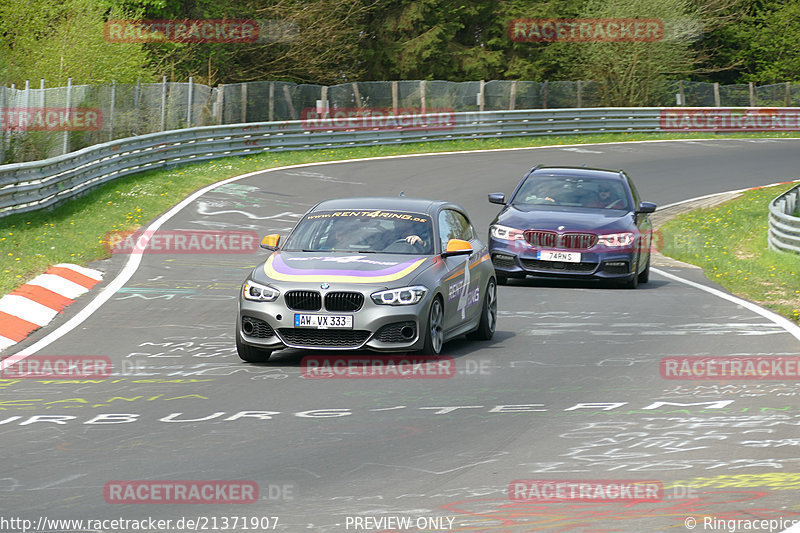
point(368, 271)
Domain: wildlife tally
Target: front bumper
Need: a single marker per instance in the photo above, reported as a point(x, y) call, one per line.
point(520, 260)
point(270, 326)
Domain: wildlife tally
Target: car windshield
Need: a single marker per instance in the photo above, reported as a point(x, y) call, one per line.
point(591, 193)
point(375, 231)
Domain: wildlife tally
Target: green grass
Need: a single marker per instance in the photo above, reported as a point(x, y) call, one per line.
point(730, 243)
point(75, 231)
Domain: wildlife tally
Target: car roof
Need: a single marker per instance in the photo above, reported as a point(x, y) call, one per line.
point(578, 172)
point(387, 203)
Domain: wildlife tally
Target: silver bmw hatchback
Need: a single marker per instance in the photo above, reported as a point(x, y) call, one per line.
point(385, 274)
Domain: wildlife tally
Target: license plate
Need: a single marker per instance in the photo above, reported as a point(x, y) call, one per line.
point(566, 257)
point(324, 321)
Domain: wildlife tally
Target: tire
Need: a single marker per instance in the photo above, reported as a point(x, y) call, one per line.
point(644, 276)
point(488, 321)
point(251, 354)
point(434, 334)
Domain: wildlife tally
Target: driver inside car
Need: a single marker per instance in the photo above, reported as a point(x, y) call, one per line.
point(407, 233)
point(605, 198)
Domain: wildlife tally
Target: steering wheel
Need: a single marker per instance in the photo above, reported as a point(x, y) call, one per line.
point(615, 202)
point(416, 245)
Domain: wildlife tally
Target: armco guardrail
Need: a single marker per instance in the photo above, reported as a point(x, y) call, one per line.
point(784, 227)
point(38, 184)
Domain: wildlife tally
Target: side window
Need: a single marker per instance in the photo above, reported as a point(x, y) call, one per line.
point(447, 230)
point(634, 192)
point(466, 228)
point(454, 225)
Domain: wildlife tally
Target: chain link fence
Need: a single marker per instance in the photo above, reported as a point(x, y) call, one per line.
point(126, 110)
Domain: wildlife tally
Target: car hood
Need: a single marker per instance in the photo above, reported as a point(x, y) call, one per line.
point(330, 267)
point(534, 217)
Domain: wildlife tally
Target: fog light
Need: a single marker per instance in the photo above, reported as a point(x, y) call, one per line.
point(616, 267)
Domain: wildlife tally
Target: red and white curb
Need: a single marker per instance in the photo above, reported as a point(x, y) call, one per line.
point(37, 302)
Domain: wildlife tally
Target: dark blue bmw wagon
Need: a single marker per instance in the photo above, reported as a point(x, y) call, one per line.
point(572, 222)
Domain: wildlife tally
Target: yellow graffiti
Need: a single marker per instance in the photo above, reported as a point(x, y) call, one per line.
point(66, 403)
point(773, 480)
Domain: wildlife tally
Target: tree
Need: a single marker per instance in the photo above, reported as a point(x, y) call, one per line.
point(59, 39)
point(634, 73)
point(769, 49)
point(306, 41)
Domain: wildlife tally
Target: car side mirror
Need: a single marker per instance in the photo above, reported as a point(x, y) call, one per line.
point(497, 198)
point(646, 207)
point(457, 247)
point(270, 242)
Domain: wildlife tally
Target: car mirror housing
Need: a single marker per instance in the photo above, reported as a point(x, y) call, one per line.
point(497, 198)
point(270, 242)
point(646, 207)
point(457, 247)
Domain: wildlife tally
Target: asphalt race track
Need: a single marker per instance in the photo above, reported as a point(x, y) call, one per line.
point(579, 363)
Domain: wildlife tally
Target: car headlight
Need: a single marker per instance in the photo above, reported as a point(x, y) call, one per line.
point(504, 233)
point(258, 292)
point(401, 296)
point(616, 240)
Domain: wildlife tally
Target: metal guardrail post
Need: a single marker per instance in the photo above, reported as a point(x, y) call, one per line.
point(111, 111)
point(189, 103)
point(163, 103)
point(68, 106)
point(136, 109)
point(3, 105)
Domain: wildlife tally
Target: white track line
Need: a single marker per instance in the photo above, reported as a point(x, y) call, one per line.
point(134, 260)
point(712, 195)
point(790, 327)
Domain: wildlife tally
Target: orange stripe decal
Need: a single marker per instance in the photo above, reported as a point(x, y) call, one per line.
point(43, 296)
point(74, 277)
point(15, 328)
